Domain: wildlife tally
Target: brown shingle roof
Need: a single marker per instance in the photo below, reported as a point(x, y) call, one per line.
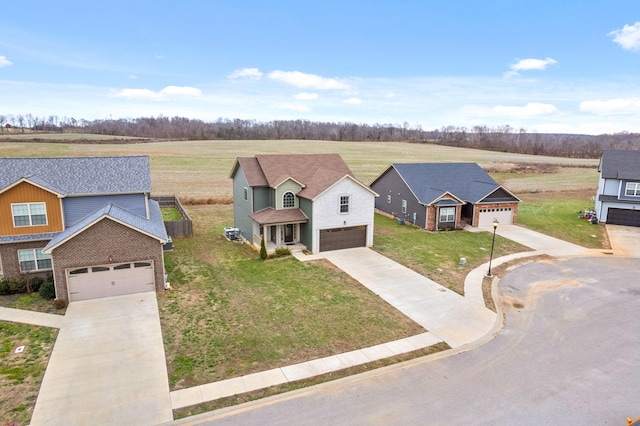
point(252, 171)
point(316, 172)
point(271, 216)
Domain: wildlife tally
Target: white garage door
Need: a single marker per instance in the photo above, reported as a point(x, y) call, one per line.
point(503, 215)
point(92, 282)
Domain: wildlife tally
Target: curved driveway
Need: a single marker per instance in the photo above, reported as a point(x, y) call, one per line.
point(568, 354)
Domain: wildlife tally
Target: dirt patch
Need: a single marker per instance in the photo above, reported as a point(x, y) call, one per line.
point(524, 168)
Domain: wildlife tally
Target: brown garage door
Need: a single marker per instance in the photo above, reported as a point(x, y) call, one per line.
point(623, 217)
point(342, 238)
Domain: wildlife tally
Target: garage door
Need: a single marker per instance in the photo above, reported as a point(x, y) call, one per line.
point(623, 217)
point(503, 215)
point(342, 238)
point(92, 282)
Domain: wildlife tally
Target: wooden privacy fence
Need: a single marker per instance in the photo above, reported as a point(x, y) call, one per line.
point(175, 228)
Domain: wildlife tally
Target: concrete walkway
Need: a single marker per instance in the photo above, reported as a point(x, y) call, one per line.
point(107, 367)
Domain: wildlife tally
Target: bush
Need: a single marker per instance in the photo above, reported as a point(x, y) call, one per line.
point(59, 304)
point(12, 286)
point(263, 249)
point(282, 251)
point(35, 283)
point(47, 290)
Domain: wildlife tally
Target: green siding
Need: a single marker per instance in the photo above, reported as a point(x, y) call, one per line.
point(242, 207)
point(288, 186)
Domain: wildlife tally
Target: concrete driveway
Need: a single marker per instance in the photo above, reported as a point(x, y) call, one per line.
point(538, 241)
point(108, 366)
point(624, 240)
point(455, 319)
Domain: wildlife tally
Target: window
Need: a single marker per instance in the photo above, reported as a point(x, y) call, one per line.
point(246, 193)
point(33, 260)
point(122, 266)
point(389, 198)
point(447, 214)
point(29, 214)
point(633, 189)
point(288, 200)
point(344, 204)
point(100, 269)
point(404, 206)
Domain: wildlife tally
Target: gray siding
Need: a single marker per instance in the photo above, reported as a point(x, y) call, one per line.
point(392, 184)
point(76, 208)
point(241, 207)
point(306, 229)
point(623, 196)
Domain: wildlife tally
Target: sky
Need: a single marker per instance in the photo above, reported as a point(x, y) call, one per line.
point(543, 66)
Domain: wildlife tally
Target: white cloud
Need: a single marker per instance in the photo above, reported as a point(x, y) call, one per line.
point(628, 37)
point(181, 91)
point(532, 109)
point(619, 106)
point(306, 96)
point(294, 107)
point(529, 64)
point(303, 80)
point(133, 77)
point(353, 101)
point(173, 91)
point(4, 62)
point(253, 73)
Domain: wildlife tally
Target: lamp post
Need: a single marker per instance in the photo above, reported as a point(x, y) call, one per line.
point(493, 241)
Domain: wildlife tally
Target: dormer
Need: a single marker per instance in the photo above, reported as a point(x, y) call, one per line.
point(286, 194)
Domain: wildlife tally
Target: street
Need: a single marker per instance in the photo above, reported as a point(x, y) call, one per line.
point(569, 353)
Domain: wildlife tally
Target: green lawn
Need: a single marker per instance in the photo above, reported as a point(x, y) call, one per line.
point(232, 314)
point(556, 214)
point(170, 214)
point(436, 255)
point(21, 373)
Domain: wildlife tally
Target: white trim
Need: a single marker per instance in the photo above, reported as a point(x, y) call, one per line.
point(29, 204)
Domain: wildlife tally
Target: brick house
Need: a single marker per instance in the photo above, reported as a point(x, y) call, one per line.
point(86, 220)
point(443, 195)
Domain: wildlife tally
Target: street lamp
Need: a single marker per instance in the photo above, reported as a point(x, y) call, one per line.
point(493, 241)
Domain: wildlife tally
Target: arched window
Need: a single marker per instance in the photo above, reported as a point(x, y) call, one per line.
point(288, 200)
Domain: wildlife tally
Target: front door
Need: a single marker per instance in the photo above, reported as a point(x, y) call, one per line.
point(288, 233)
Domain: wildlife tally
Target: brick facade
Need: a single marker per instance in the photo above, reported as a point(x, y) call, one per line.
point(513, 206)
point(106, 242)
point(11, 264)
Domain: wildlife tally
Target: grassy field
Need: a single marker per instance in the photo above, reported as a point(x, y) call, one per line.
point(21, 373)
point(201, 169)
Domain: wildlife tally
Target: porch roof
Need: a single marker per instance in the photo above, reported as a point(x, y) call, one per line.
point(271, 216)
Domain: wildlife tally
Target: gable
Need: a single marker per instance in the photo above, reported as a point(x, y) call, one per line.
point(26, 192)
point(620, 164)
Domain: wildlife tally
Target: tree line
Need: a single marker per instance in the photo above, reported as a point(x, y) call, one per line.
point(500, 138)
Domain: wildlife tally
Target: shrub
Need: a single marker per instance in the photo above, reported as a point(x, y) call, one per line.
point(12, 286)
point(35, 283)
point(47, 290)
point(59, 304)
point(282, 251)
point(263, 249)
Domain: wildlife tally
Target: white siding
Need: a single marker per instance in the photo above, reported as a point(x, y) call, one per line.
point(326, 210)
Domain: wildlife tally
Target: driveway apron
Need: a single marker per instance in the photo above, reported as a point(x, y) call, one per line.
point(444, 313)
point(107, 366)
point(538, 241)
point(624, 240)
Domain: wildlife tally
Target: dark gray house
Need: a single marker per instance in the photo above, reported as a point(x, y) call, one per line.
point(443, 195)
point(618, 196)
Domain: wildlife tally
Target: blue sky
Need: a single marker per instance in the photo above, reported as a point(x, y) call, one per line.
point(545, 66)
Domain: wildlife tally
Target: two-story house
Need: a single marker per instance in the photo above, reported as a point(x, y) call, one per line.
point(301, 199)
point(87, 220)
point(617, 201)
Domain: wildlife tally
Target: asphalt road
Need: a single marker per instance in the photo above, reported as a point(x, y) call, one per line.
point(569, 353)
